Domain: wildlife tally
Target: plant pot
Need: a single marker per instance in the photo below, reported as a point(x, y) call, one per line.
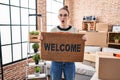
point(116, 41)
point(37, 61)
point(37, 74)
point(35, 50)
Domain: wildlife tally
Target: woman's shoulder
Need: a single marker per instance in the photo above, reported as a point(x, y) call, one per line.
point(54, 29)
point(74, 28)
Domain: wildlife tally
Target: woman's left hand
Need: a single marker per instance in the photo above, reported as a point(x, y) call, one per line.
point(84, 37)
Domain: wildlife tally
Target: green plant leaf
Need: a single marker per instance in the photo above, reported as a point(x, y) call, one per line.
point(36, 57)
point(35, 46)
point(37, 69)
point(34, 32)
point(116, 37)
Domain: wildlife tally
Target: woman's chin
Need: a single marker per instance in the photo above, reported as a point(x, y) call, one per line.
point(62, 24)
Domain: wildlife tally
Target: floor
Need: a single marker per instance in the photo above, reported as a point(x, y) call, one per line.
point(42, 79)
point(39, 79)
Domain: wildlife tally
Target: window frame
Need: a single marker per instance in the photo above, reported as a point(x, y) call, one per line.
point(22, 43)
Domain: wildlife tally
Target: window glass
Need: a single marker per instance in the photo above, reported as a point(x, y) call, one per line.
point(5, 35)
point(24, 16)
point(32, 19)
point(49, 18)
point(6, 54)
point(32, 28)
point(14, 25)
point(16, 52)
point(31, 49)
point(56, 8)
point(16, 34)
point(24, 3)
point(53, 7)
point(49, 7)
point(60, 1)
point(4, 1)
point(32, 4)
point(25, 33)
point(14, 2)
point(49, 28)
point(60, 5)
point(24, 49)
point(4, 14)
point(55, 20)
point(15, 15)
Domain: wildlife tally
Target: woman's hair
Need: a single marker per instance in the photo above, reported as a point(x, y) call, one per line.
point(65, 8)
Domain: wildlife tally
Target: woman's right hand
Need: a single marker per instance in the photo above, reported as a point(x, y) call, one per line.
point(40, 37)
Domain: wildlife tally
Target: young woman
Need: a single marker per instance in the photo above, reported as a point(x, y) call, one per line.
point(68, 68)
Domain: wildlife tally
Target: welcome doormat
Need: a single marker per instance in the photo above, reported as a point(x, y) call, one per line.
point(62, 47)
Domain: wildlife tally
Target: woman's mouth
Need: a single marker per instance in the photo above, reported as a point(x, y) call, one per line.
point(63, 21)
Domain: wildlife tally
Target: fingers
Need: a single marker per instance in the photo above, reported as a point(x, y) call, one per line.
point(40, 37)
point(84, 37)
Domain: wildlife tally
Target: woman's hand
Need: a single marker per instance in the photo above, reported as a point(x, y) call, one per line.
point(84, 37)
point(40, 37)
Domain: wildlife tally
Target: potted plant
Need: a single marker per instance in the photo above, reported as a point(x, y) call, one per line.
point(34, 33)
point(35, 46)
point(36, 58)
point(34, 36)
point(37, 71)
point(116, 38)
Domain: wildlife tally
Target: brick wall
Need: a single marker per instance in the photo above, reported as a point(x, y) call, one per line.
point(106, 11)
point(41, 9)
point(16, 71)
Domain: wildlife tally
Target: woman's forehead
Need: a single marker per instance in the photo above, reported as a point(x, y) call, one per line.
point(63, 11)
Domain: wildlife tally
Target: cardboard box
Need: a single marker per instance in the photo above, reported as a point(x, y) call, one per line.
point(96, 38)
point(102, 27)
point(62, 47)
point(107, 66)
point(90, 57)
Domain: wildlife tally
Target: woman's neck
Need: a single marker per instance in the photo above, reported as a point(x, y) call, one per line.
point(63, 26)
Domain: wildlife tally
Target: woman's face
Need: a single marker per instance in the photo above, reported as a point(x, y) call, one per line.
point(63, 16)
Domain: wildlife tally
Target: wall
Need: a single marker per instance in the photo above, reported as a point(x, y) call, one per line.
point(106, 11)
point(16, 71)
point(41, 9)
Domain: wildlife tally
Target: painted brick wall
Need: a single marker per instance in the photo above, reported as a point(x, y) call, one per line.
point(106, 11)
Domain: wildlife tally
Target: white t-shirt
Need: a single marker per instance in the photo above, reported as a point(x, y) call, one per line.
point(69, 29)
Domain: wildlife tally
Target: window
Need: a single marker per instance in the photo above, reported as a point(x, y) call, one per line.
point(53, 7)
point(15, 24)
